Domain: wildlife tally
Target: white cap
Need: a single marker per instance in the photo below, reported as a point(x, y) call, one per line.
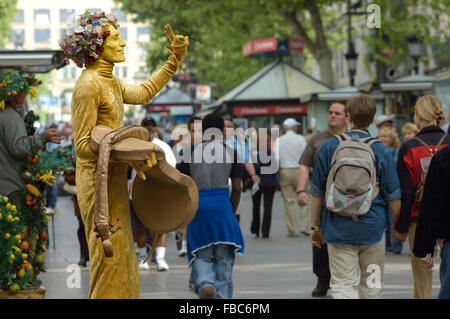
point(382, 119)
point(290, 122)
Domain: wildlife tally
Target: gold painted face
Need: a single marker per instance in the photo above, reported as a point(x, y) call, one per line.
point(113, 46)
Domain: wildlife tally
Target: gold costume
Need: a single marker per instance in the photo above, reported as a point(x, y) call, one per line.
point(98, 99)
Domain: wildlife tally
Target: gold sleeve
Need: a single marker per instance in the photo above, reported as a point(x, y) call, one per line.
point(143, 93)
point(85, 104)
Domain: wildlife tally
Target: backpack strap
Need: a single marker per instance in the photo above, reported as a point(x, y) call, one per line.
point(432, 152)
point(370, 140)
point(341, 138)
point(440, 142)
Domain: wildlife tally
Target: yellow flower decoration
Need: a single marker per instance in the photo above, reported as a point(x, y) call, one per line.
point(2, 105)
point(48, 178)
point(32, 92)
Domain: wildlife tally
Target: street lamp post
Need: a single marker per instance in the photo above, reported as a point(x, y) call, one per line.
point(351, 56)
point(414, 50)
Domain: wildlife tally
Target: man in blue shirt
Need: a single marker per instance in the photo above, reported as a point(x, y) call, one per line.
point(241, 148)
point(355, 246)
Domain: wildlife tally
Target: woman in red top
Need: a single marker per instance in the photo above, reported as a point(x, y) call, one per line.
point(412, 156)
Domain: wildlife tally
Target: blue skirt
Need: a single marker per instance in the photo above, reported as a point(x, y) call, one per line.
point(214, 223)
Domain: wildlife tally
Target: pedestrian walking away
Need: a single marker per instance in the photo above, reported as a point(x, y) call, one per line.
point(355, 178)
point(266, 189)
point(413, 161)
point(288, 151)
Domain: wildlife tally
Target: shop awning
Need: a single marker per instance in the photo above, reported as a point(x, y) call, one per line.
point(277, 81)
point(173, 95)
point(344, 94)
point(32, 61)
point(410, 83)
point(173, 100)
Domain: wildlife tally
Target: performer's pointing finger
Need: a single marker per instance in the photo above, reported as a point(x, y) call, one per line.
point(169, 32)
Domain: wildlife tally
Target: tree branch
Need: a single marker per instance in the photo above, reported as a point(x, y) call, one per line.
point(291, 17)
point(316, 22)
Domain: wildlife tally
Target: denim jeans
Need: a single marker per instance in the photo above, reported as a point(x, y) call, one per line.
point(444, 272)
point(396, 244)
point(213, 267)
point(51, 195)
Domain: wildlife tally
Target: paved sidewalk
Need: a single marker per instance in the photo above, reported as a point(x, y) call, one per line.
point(278, 267)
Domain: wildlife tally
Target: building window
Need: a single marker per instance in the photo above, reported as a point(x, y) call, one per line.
point(142, 53)
point(42, 17)
point(120, 15)
point(69, 73)
point(143, 34)
point(94, 10)
point(124, 72)
point(19, 17)
point(42, 35)
point(18, 37)
point(116, 71)
point(65, 15)
point(123, 32)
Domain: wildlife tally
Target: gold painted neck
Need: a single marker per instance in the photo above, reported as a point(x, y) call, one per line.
point(102, 67)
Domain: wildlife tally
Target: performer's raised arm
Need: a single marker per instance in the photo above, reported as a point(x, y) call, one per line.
point(143, 93)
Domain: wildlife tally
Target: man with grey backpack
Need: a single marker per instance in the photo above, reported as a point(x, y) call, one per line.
point(356, 179)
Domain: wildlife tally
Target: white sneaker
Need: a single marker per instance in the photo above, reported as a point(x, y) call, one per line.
point(161, 265)
point(141, 264)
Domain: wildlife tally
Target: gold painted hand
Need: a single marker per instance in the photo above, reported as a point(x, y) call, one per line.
point(179, 44)
point(142, 166)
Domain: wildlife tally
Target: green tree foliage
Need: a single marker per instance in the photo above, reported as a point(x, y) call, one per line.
point(218, 29)
point(429, 20)
point(8, 10)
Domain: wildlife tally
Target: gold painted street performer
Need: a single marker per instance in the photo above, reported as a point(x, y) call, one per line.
point(93, 42)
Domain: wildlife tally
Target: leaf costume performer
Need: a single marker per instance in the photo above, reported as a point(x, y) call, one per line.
point(93, 41)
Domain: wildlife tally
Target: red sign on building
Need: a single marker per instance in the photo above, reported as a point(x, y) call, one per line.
point(164, 108)
point(259, 46)
point(295, 44)
point(258, 110)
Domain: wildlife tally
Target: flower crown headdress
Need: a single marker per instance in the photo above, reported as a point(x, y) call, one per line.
point(83, 39)
point(14, 83)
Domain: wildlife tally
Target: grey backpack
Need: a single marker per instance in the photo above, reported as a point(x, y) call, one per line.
point(351, 183)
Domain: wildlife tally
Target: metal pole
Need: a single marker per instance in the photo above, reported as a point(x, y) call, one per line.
point(349, 31)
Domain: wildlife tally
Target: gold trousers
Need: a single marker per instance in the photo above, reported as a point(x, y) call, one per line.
point(116, 277)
